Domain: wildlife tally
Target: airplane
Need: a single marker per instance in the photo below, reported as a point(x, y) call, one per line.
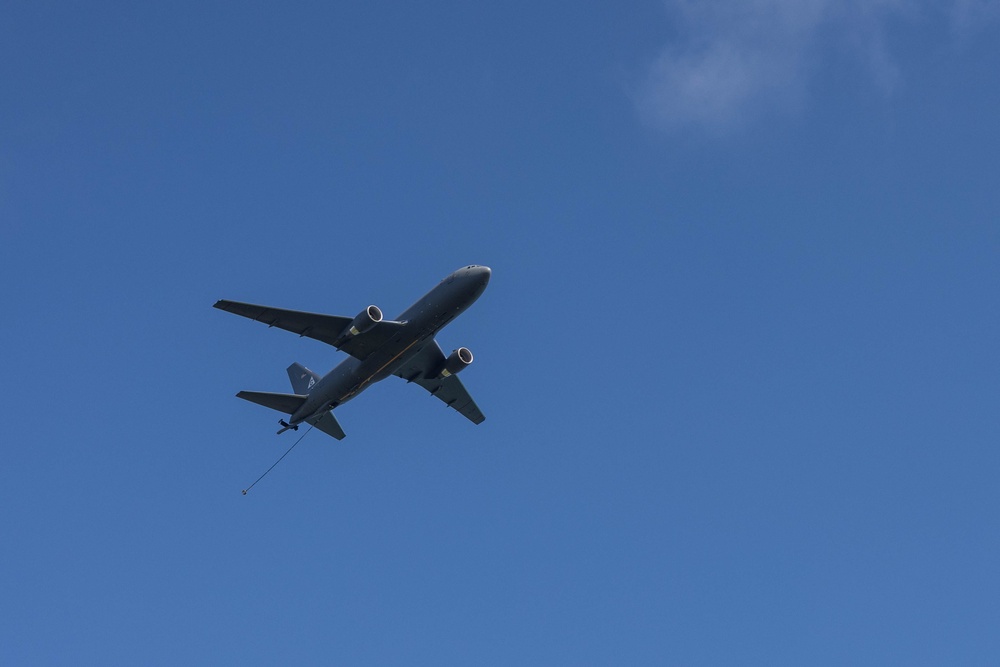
point(379, 348)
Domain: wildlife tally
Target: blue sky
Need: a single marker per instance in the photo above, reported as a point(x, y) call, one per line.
point(738, 357)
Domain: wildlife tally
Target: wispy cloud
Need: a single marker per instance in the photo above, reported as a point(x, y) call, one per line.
point(735, 60)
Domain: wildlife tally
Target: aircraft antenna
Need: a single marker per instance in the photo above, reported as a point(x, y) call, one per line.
point(278, 461)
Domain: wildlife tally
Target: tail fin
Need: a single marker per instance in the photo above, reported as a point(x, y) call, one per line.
point(287, 403)
point(302, 378)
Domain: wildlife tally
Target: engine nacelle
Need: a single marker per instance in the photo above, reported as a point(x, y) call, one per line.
point(456, 361)
point(365, 320)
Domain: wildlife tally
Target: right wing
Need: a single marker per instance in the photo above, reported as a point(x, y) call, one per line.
point(449, 389)
point(324, 328)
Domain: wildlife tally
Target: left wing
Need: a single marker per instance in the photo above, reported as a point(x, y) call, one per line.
point(449, 389)
point(324, 328)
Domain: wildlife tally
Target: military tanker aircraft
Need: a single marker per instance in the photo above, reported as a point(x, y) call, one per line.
point(404, 347)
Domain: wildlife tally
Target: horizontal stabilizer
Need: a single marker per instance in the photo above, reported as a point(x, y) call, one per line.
point(287, 403)
point(329, 425)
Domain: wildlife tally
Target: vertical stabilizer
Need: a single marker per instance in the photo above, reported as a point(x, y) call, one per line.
point(303, 379)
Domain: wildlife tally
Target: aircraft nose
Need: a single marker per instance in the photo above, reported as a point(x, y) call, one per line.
point(475, 276)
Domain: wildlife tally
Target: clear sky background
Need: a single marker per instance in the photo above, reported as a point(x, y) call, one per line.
point(739, 355)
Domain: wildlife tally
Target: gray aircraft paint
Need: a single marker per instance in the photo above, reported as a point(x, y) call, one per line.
point(404, 347)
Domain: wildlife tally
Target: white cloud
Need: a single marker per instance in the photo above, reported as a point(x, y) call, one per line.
point(738, 59)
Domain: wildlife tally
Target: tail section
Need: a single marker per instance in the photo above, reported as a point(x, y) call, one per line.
point(303, 379)
point(287, 403)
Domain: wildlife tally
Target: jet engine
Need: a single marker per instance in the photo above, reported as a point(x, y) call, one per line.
point(456, 361)
point(365, 320)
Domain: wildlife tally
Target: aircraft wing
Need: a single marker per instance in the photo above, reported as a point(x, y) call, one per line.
point(324, 328)
point(450, 389)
